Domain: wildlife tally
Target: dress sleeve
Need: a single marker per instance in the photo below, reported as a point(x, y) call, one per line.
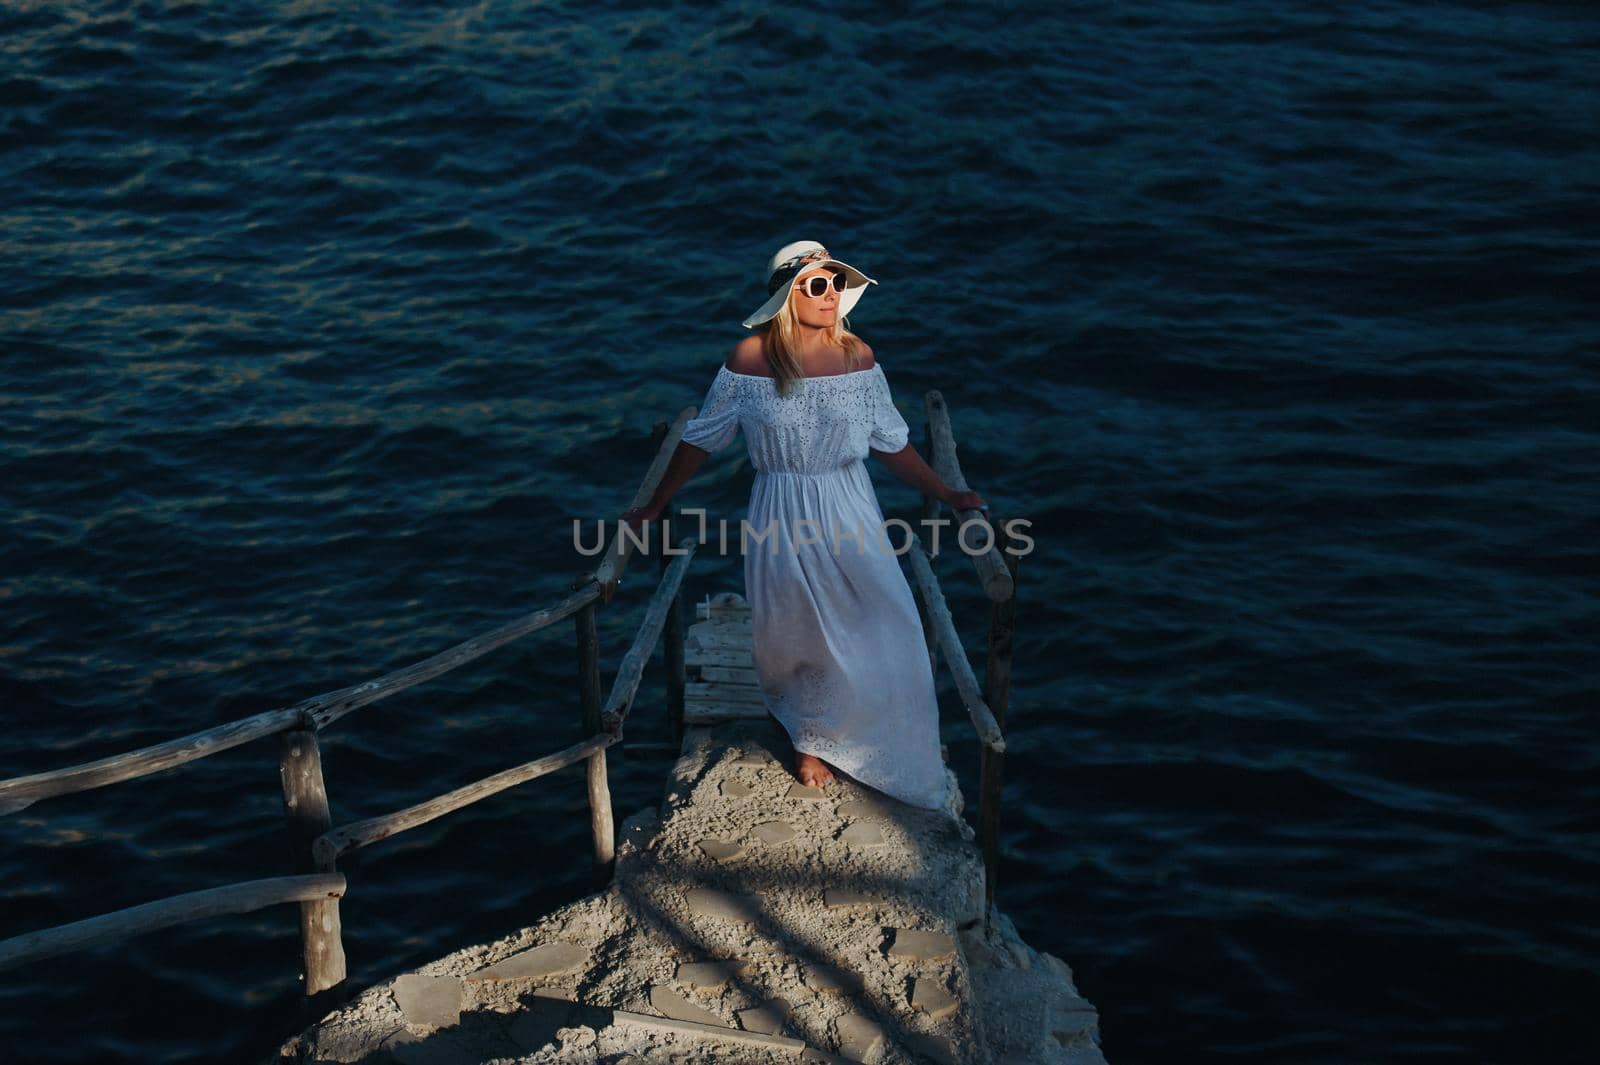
point(889, 429)
point(718, 421)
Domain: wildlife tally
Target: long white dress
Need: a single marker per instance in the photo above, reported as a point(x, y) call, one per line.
point(837, 640)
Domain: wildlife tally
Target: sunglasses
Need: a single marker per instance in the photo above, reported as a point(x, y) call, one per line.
point(816, 286)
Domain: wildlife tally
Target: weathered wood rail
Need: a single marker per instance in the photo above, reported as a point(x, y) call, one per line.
point(316, 844)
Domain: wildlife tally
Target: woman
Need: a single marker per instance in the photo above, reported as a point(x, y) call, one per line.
point(836, 638)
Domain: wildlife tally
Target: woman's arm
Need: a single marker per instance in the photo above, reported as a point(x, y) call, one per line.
point(889, 428)
point(686, 459)
point(715, 426)
point(908, 465)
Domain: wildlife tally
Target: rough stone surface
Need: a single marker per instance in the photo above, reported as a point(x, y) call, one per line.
point(720, 849)
point(928, 995)
point(766, 1018)
point(429, 1001)
point(443, 1046)
point(831, 979)
point(841, 898)
point(778, 917)
point(720, 905)
point(858, 1036)
point(774, 832)
point(813, 1054)
point(543, 961)
point(1068, 1024)
point(919, 945)
point(870, 809)
point(669, 1003)
point(707, 974)
point(349, 1043)
point(863, 834)
point(1020, 1004)
point(934, 1047)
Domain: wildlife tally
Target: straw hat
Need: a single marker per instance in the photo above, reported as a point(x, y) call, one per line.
point(788, 262)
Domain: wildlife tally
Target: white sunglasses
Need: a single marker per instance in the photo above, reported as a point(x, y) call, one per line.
point(816, 286)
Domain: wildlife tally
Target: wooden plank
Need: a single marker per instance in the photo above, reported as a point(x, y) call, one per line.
point(19, 793)
point(932, 507)
point(710, 713)
point(997, 693)
point(945, 628)
point(179, 909)
point(732, 642)
point(672, 646)
point(724, 675)
point(323, 710)
point(727, 656)
point(727, 647)
point(651, 749)
point(315, 713)
point(992, 571)
point(703, 692)
point(725, 712)
point(626, 684)
point(701, 658)
point(707, 1031)
point(723, 622)
point(708, 631)
point(609, 573)
point(361, 833)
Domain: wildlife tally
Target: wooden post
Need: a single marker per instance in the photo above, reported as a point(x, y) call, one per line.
point(602, 827)
point(672, 637)
point(599, 788)
point(672, 632)
point(997, 693)
point(305, 804)
point(931, 509)
point(588, 668)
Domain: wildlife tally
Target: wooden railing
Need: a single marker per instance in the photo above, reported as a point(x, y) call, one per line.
point(316, 845)
point(997, 574)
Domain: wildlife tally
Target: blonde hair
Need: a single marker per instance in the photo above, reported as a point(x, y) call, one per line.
point(780, 343)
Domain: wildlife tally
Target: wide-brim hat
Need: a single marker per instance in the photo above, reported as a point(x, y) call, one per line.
point(789, 262)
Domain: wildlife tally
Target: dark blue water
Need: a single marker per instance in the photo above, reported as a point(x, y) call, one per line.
point(321, 322)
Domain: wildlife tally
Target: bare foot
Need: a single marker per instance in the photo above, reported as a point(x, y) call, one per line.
point(813, 771)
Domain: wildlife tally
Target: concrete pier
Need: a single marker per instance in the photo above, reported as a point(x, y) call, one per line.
point(751, 919)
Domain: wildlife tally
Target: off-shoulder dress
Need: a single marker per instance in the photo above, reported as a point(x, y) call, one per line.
point(837, 641)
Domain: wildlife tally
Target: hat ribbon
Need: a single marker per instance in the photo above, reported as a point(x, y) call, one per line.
point(791, 267)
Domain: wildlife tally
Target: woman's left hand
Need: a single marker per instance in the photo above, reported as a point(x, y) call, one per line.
point(967, 501)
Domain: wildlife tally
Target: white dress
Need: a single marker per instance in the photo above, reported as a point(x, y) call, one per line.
point(836, 637)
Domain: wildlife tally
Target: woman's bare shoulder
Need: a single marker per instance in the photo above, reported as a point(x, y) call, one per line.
point(868, 360)
point(747, 358)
